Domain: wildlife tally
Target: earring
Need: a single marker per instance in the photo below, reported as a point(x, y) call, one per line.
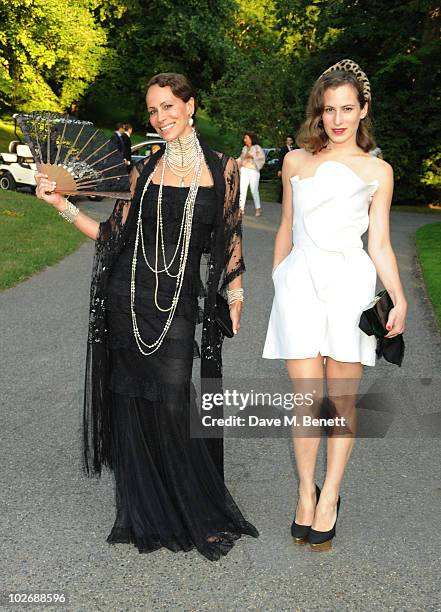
point(190, 121)
point(320, 123)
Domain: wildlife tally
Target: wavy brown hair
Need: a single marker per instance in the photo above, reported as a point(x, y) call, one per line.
point(253, 136)
point(311, 135)
point(178, 83)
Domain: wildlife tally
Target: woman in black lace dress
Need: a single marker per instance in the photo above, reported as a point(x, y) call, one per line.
point(144, 310)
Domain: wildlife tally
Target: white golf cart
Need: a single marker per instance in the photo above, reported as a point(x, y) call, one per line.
point(17, 167)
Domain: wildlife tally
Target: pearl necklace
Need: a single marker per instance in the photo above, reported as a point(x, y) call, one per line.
point(182, 156)
point(182, 245)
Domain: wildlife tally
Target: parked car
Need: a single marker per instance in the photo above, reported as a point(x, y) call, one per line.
point(17, 167)
point(269, 170)
point(143, 149)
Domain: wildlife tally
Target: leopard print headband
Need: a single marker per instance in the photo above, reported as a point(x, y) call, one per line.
point(348, 65)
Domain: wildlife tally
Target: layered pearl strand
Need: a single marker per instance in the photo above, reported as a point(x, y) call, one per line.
point(188, 151)
point(182, 156)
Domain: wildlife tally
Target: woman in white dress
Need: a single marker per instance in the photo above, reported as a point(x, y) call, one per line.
point(333, 192)
point(251, 162)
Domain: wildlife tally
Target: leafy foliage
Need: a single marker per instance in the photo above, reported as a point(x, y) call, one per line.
point(263, 86)
point(281, 46)
point(253, 63)
point(398, 45)
point(185, 36)
point(49, 51)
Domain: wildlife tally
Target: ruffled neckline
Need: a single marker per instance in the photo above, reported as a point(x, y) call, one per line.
point(341, 164)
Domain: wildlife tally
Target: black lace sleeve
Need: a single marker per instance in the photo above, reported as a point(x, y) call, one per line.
point(233, 260)
point(224, 265)
point(225, 260)
point(96, 415)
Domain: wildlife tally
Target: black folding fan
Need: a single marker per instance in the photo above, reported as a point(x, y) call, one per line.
point(75, 154)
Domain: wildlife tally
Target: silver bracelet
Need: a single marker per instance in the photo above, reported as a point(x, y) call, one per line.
point(234, 295)
point(70, 213)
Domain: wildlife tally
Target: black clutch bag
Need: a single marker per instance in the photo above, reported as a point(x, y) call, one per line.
point(373, 322)
point(222, 316)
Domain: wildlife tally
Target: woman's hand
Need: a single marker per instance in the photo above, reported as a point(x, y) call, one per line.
point(86, 225)
point(45, 189)
point(396, 320)
point(235, 314)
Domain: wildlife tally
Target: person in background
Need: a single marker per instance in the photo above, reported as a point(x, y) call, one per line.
point(127, 145)
point(288, 146)
point(116, 137)
point(73, 109)
point(251, 161)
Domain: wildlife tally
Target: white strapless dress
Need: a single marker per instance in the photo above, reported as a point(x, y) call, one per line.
point(328, 279)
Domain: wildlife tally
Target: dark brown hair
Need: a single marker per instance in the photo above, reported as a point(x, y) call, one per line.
point(253, 136)
point(178, 83)
point(311, 135)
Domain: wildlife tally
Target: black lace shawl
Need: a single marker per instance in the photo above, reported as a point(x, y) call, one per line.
point(224, 263)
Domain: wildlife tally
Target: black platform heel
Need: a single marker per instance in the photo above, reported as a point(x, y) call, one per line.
point(322, 540)
point(300, 532)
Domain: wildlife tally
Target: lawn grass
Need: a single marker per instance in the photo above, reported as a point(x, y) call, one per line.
point(32, 236)
point(428, 244)
point(216, 138)
point(269, 191)
point(6, 133)
point(416, 208)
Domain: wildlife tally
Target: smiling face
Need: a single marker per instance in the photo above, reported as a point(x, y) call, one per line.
point(342, 113)
point(247, 141)
point(168, 114)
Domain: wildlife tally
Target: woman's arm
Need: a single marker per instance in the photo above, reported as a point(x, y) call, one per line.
point(283, 242)
point(85, 224)
point(381, 252)
point(241, 157)
point(258, 155)
point(234, 265)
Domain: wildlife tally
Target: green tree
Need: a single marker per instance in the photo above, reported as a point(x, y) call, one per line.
point(50, 50)
point(279, 48)
point(260, 88)
point(184, 36)
point(398, 45)
point(248, 95)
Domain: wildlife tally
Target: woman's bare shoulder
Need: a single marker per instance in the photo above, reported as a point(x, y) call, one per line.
point(295, 159)
point(381, 170)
